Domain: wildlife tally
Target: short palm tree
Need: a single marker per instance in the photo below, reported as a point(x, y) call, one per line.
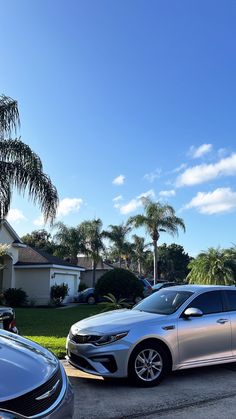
point(113, 303)
point(91, 231)
point(21, 168)
point(117, 235)
point(215, 266)
point(157, 218)
point(69, 241)
point(139, 250)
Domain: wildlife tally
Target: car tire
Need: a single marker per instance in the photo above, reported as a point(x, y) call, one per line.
point(91, 300)
point(148, 364)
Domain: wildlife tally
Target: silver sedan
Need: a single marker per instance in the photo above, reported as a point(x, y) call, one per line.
point(33, 382)
point(176, 328)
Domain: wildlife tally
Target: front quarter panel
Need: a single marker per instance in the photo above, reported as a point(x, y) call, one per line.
point(165, 332)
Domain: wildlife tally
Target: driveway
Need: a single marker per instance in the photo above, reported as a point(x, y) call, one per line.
point(203, 392)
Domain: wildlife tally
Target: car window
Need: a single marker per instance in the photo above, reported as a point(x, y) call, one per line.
point(231, 300)
point(209, 302)
point(163, 302)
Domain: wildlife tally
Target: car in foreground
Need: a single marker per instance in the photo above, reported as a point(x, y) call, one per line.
point(33, 382)
point(8, 320)
point(175, 328)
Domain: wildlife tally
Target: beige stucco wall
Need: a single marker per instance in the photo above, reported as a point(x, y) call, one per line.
point(86, 277)
point(35, 282)
point(5, 236)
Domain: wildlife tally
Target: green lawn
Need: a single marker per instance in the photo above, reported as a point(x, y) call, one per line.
point(50, 326)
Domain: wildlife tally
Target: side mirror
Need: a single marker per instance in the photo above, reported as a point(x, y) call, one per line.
point(193, 312)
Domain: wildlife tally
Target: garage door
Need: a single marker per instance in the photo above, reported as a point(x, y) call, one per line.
point(67, 279)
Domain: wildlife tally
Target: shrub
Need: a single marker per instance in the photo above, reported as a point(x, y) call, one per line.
point(15, 297)
point(59, 292)
point(119, 282)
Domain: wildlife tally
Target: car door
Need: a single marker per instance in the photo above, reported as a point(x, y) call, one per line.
point(230, 307)
point(205, 338)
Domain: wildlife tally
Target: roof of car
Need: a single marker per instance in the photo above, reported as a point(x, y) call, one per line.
point(199, 288)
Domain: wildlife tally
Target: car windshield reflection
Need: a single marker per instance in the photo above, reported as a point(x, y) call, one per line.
point(163, 302)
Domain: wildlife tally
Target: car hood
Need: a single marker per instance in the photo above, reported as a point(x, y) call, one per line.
point(117, 320)
point(24, 365)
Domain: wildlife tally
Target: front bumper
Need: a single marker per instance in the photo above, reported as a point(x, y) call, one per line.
point(107, 361)
point(65, 410)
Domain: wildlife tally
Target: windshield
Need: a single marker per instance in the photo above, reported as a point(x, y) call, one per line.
point(163, 302)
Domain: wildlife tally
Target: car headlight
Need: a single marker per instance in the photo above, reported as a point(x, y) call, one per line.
point(106, 339)
point(8, 415)
point(74, 330)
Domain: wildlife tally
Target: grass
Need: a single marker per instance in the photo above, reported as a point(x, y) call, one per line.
point(49, 326)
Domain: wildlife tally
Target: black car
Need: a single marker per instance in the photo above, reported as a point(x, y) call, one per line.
point(8, 319)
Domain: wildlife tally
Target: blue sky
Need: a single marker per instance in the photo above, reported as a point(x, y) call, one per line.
point(127, 98)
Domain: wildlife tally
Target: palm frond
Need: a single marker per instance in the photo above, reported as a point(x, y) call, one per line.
point(9, 115)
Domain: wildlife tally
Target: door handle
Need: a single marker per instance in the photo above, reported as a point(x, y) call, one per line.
point(222, 321)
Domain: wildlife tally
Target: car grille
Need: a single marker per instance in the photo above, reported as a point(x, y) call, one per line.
point(27, 405)
point(84, 338)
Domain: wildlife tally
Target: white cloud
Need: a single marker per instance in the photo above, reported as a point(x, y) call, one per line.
point(15, 215)
point(39, 222)
point(196, 152)
point(171, 192)
point(221, 200)
point(68, 205)
point(119, 180)
point(148, 194)
point(117, 198)
point(179, 168)
point(135, 203)
point(205, 172)
point(150, 177)
point(65, 207)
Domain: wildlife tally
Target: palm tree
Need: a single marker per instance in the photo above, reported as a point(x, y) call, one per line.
point(91, 231)
point(117, 235)
point(21, 168)
point(69, 241)
point(9, 115)
point(139, 250)
point(158, 218)
point(215, 266)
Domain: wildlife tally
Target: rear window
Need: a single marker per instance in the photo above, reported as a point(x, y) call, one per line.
point(231, 300)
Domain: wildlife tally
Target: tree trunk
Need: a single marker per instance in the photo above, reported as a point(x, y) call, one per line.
point(94, 274)
point(139, 267)
point(155, 260)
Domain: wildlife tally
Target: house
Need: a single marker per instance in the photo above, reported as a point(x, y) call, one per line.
point(33, 270)
point(87, 275)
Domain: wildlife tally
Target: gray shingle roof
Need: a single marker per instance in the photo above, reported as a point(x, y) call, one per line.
point(31, 256)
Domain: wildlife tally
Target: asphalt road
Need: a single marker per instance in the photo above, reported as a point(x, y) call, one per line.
point(202, 393)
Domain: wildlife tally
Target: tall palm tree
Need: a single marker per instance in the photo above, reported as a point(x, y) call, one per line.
point(157, 218)
point(21, 168)
point(117, 235)
point(215, 266)
point(92, 234)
